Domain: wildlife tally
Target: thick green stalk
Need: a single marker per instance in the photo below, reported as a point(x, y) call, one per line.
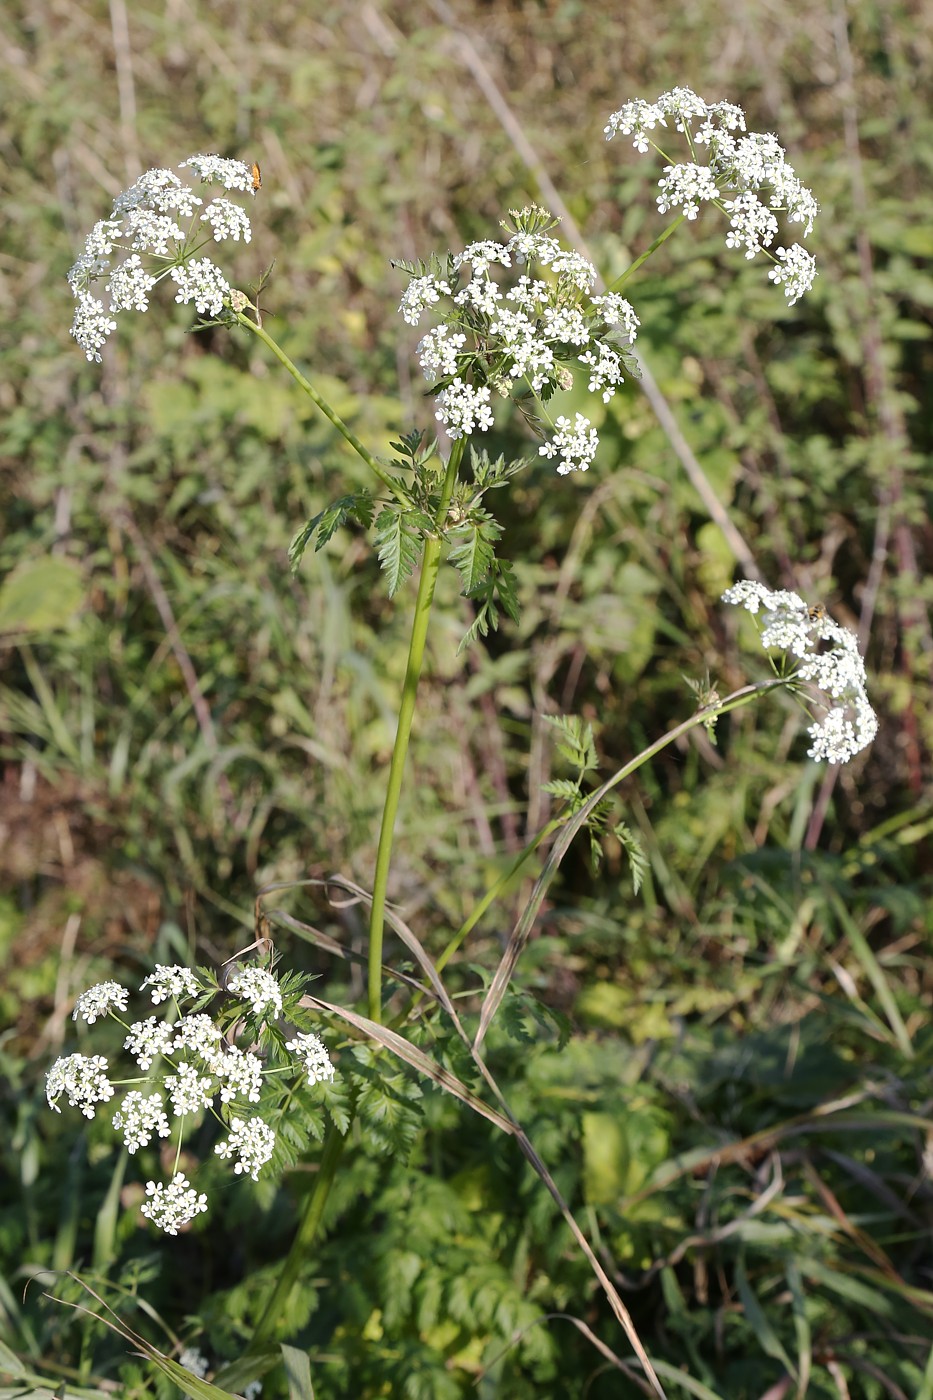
point(633, 267)
point(429, 569)
point(304, 1238)
point(321, 403)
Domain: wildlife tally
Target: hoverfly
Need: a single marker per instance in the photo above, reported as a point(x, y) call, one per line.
point(257, 177)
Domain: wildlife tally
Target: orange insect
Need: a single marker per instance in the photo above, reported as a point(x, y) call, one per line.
point(257, 178)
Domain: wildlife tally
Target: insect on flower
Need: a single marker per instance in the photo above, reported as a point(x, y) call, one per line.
point(257, 177)
point(817, 612)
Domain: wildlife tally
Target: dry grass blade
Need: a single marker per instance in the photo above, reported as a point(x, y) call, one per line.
point(522, 930)
point(412, 1056)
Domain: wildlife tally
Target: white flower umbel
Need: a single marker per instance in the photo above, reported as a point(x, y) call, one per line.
point(257, 986)
point(574, 444)
point(197, 1033)
point(516, 317)
point(171, 981)
point(138, 1117)
point(312, 1053)
point(83, 1078)
point(746, 175)
point(240, 1074)
point(253, 1143)
point(148, 1040)
point(156, 230)
point(829, 664)
point(170, 1207)
point(199, 1062)
point(189, 1091)
point(98, 1000)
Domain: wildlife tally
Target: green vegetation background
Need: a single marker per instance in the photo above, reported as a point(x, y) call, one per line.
point(742, 1113)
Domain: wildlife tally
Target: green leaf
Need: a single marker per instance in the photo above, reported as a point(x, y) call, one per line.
point(398, 544)
point(496, 590)
point(40, 595)
point(473, 555)
point(758, 1320)
point(359, 506)
point(631, 845)
point(298, 1373)
point(576, 744)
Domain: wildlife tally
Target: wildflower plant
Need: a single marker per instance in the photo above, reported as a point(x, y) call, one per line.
point(745, 174)
point(506, 323)
point(823, 665)
point(191, 1066)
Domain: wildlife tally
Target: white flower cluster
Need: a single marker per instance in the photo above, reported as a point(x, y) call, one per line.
point(200, 1065)
point(258, 987)
point(83, 1078)
point(830, 663)
point(155, 231)
point(312, 1052)
point(526, 335)
point(170, 1207)
point(746, 175)
point(252, 1143)
point(97, 1001)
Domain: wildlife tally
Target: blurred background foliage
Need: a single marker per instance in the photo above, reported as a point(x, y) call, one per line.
point(741, 1116)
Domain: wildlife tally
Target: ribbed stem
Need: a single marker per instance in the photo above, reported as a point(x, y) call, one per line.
point(429, 569)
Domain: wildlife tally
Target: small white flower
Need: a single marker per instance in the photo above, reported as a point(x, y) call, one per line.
point(616, 311)
point(202, 282)
point(195, 1362)
point(437, 352)
point(684, 187)
point(462, 409)
point(252, 1142)
point(605, 371)
point(257, 986)
point(98, 1000)
point(227, 220)
point(170, 1207)
point(421, 293)
point(481, 254)
point(795, 271)
point(240, 1074)
point(830, 663)
point(130, 284)
point(83, 1078)
point(171, 981)
point(139, 1117)
point(197, 1033)
point(91, 325)
point(148, 1040)
point(232, 174)
point(573, 443)
point(312, 1053)
point(189, 1091)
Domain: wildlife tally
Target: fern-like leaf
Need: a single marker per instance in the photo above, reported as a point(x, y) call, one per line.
point(495, 591)
point(359, 507)
point(637, 860)
point(473, 555)
point(398, 544)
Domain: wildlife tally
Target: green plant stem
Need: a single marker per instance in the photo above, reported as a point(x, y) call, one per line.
point(633, 267)
point(321, 403)
point(304, 1238)
point(419, 631)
